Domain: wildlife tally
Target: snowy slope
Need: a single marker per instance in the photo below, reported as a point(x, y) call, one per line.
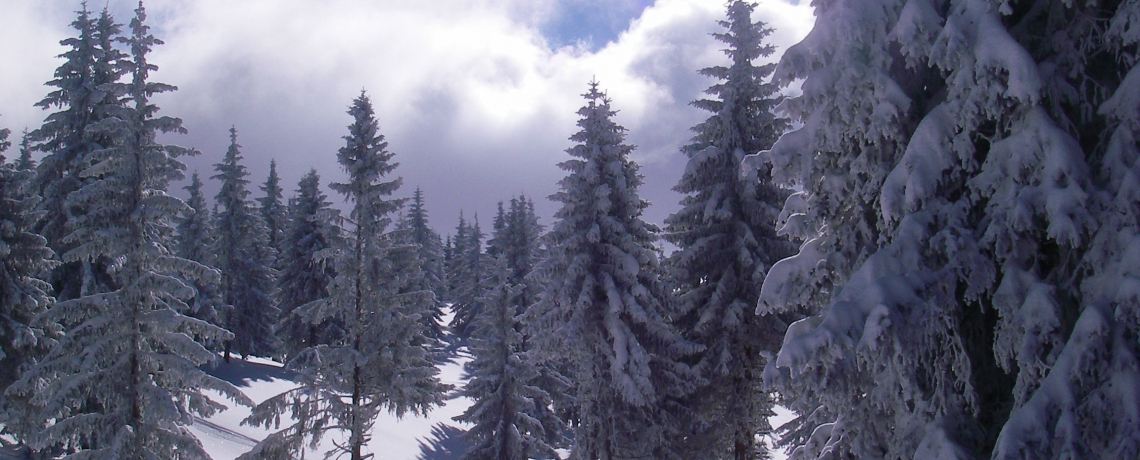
point(429, 438)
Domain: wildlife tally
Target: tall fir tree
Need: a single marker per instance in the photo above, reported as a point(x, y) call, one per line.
point(383, 361)
point(605, 307)
point(508, 408)
point(195, 242)
point(138, 383)
point(305, 276)
point(273, 211)
point(24, 162)
point(471, 277)
point(431, 245)
point(497, 242)
point(457, 247)
point(244, 258)
point(448, 256)
point(69, 135)
point(512, 413)
point(726, 237)
point(24, 258)
point(430, 254)
point(965, 169)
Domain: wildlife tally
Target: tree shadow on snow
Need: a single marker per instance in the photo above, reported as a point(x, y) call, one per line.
point(241, 373)
point(446, 443)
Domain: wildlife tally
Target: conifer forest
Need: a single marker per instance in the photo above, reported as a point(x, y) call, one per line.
point(916, 232)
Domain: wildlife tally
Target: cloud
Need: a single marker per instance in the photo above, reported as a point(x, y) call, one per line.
point(474, 97)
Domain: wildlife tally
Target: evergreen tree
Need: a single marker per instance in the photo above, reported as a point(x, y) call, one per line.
point(25, 162)
point(196, 243)
point(964, 170)
point(726, 238)
point(430, 254)
point(273, 211)
point(406, 260)
point(511, 414)
point(84, 98)
point(507, 413)
point(448, 256)
point(497, 243)
point(522, 249)
point(244, 258)
point(137, 383)
point(605, 307)
point(471, 280)
point(456, 268)
point(305, 276)
point(24, 258)
point(383, 359)
point(431, 246)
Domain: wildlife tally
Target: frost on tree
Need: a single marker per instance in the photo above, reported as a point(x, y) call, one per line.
point(382, 361)
point(24, 256)
point(273, 212)
point(968, 197)
point(470, 276)
point(83, 99)
point(405, 255)
point(195, 242)
point(511, 413)
point(304, 276)
point(453, 254)
point(428, 247)
point(605, 308)
point(727, 241)
point(24, 162)
point(509, 406)
point(124, 380)
point(431, 245)
point(245, 260)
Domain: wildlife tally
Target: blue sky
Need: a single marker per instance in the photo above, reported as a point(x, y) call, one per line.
point(590, 24)
point(477, 98)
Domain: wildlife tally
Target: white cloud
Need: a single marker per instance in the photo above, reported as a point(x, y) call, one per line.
point(471, 98)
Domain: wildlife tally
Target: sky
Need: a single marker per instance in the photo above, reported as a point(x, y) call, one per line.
point(477, 98)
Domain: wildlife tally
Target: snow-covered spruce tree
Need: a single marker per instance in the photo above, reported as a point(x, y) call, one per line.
point(726, 239)
point(507, 413)
point(123, 381)
point(195, 241)
point(457, 247)
point(471, 279)
point(448, 251)
point(522, 247)
point(24, 162)
point(304, 276)
point(67, 136)
point(955, 160)
point(431, 245)
point(430, 255)
point(605, 307)
point(518, 250)
point(273, 211)
point(244, 258)
point(23, 295)
point(383, 361)
point(405, 254)
point(497, 241)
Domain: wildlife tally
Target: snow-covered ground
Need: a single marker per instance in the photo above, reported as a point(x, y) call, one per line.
point(410, 437)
